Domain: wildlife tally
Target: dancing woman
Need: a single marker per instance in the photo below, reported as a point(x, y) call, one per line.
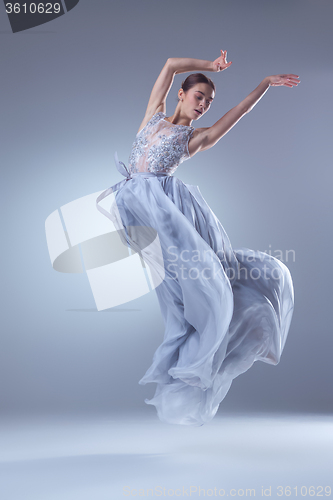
point(223, 308)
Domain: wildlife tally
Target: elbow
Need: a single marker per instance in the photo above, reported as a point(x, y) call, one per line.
point(245, 109)
point(242, 108)
point(170, 64)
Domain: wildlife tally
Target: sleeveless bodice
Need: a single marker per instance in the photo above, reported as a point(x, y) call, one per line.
point(160, 146)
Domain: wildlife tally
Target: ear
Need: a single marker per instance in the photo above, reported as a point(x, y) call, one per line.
point(181, 94)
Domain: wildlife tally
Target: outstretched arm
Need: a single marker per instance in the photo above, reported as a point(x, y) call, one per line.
point(172, 67)
point(205, 138)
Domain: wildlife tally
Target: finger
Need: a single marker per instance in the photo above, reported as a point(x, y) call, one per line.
point(294, 81)
point(294, 78)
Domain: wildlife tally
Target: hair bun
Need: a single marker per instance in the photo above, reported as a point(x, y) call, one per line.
point(195, 78)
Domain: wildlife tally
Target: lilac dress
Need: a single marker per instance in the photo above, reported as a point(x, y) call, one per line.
point(223, 308)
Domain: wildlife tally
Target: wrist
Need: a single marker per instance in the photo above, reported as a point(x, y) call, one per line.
point(213, 66)
point(267, 81)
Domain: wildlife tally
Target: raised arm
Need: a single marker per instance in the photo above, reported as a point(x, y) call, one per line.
point(205, 138)
point(174, 66)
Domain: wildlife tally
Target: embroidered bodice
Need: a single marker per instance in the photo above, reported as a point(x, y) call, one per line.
point(160, 146)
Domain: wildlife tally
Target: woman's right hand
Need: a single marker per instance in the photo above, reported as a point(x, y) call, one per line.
point(288, 80)
point(221, 62)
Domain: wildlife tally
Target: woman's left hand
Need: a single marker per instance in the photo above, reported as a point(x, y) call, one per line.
point(221, 62)
point(288, 80)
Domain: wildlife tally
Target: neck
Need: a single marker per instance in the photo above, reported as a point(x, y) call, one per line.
point(179, 118)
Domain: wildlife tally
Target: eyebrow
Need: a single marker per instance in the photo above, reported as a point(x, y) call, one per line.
point(204, 95)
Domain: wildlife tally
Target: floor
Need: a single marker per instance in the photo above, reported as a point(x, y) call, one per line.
point(126, 455)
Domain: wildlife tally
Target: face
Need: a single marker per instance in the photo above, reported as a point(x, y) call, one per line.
point(197, 100)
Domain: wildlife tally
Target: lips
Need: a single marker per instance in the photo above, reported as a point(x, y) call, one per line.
point(198, 112)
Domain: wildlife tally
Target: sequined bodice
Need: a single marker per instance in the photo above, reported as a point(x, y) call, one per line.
point(160, 146)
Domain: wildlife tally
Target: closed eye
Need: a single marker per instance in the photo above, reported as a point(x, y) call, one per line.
point(207, 102)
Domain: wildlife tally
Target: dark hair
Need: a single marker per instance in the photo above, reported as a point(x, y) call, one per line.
point(195, 78)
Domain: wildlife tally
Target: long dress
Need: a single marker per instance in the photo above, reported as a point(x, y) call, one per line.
point(223, 308)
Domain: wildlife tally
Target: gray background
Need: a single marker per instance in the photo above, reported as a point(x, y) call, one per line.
point(73, 92)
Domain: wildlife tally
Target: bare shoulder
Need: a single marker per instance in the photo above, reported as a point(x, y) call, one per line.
point(149, 114)
point(196, 141)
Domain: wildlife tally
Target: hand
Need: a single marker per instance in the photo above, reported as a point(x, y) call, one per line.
point(284, 80)
point(221, 62)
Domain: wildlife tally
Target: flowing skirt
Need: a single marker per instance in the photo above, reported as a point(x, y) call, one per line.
point(223, 308)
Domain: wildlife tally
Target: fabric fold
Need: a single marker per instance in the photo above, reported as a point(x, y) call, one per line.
point(223, 308)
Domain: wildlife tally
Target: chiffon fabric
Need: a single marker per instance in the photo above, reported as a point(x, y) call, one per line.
point(223, 308)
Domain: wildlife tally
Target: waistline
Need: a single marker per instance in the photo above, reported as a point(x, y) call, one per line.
point(128, 176)
point(149, 174)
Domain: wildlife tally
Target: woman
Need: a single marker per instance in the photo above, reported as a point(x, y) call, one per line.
point(223, 308)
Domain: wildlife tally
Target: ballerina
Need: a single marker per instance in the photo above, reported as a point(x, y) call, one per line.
point(223, 308)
